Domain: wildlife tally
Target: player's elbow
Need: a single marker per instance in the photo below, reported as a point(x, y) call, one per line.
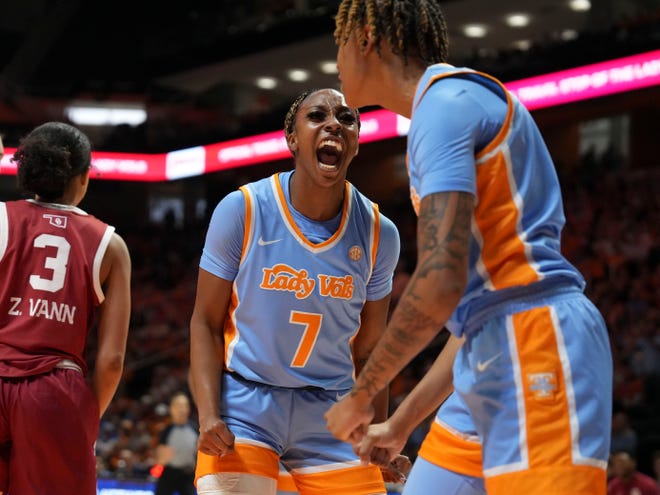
point(448, 289)
point(110, 363)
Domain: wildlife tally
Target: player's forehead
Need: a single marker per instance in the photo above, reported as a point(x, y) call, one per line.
point(325, 98)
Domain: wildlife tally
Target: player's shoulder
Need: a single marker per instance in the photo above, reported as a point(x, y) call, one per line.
point(387, 226)
point(232, 202)
point(118, 247)
point(386, 223)
point(389, 233)
point(262, 189)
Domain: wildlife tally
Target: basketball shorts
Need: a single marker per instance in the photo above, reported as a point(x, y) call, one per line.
point(425, 474)
point(539, 389)
point(452, 442)
point(277, 426)
point(48, 426)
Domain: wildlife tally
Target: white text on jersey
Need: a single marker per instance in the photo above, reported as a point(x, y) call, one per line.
point(42, 308)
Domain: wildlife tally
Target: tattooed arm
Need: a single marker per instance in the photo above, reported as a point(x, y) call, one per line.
point(432, 294)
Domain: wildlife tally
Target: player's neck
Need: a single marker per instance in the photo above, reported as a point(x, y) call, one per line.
point(315, 202)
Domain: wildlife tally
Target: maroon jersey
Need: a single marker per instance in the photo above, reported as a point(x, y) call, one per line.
point(50, 260)
point(639, 484)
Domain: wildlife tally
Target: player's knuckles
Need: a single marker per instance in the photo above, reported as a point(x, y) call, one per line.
point(208, 450)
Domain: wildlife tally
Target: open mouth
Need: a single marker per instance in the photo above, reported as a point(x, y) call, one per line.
point(328, 154)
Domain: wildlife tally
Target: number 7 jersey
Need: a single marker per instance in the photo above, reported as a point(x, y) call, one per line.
point(50, 261)
point(296, 304)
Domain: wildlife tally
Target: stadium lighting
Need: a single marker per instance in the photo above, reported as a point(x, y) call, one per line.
point(475, 30)
point(99, 114)
point(266, 82)
point(517, 20)
point(298, 75)
point(328, 67)
point(580, 5)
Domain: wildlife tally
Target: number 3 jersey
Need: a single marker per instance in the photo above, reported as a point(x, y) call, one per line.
point(299, 286)
point(50, 260)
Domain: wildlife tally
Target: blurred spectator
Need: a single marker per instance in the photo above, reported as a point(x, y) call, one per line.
point(627, 480)
point(624, 438)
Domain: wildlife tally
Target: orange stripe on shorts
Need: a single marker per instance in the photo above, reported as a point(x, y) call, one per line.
point(548, 425)
point(448, 450)
point(243, 458)
point(574, 480)
point(358, 480)
point(551, 470)
point(285, 483)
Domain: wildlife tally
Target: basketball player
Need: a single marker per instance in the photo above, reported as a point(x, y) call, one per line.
point(59, 266)
point(294, 280)
point(539, 370)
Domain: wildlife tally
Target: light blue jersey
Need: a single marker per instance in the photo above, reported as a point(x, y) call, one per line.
point(299, 286)
point(504, 163)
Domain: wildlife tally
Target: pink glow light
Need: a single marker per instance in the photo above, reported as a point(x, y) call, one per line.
point(589, 81)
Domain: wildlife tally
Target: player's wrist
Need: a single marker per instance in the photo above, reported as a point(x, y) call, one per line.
point(400, 427)
point(361, 397)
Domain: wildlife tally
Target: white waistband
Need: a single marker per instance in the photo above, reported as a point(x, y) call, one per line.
point(67, 364)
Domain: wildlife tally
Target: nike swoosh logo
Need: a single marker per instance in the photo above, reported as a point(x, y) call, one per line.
point(261, 241)
point(341, 396)
point(482, 366)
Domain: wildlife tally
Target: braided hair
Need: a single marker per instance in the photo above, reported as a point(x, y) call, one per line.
point(413, 28)
point(290, 119)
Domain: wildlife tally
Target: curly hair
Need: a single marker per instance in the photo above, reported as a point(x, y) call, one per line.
point(49, 157)
point(413, 28)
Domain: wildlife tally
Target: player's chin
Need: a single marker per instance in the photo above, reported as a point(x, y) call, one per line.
point(332, 171)
point(349, 95)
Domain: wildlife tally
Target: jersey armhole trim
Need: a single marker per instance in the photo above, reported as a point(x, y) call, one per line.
point(506, 125)
point(375, 237)
point(98, 260)
point(247, 225)
point(4, 229)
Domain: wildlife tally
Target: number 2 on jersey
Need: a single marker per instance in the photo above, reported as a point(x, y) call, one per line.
point(312, 324)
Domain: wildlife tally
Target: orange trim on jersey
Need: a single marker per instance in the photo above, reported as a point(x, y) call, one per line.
point(448, 450)
point(506, 125)
point(247, 227)
point(576, 480)
point(376, 239)
point(292, 224)
point(244, 458)
point(497, 140)
point(358, 480)
point(230, 332)
point(548, 422)
point(503, 252)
